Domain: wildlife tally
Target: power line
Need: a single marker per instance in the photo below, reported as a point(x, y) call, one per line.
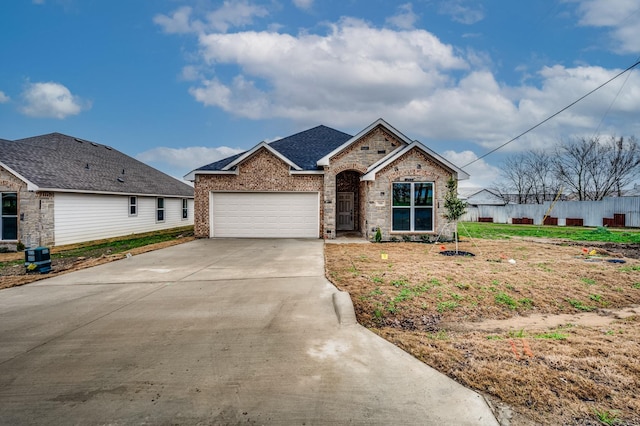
point(612, 102)
point(553, 115)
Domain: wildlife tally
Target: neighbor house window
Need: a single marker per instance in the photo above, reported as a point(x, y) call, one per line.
point(160, 209)
point(185, 208)
point(133, 206)
point(9, 216)
point(412, 207)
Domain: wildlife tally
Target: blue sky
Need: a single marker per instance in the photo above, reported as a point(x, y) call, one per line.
point(179, 84)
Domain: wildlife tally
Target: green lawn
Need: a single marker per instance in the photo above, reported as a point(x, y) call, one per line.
point(503, 231)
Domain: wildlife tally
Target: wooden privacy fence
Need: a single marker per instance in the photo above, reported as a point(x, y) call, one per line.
point(612, 212)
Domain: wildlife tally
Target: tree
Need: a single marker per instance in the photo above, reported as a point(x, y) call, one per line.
point(530, 176)
point(595, 169)
point(591, 169)
point(454, 206)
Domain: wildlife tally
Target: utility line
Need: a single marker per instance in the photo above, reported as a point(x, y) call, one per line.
point(604, 116)
point(553, 115)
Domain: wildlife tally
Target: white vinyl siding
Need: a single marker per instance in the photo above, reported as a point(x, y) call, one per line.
point(86, 217)
point(265, 214)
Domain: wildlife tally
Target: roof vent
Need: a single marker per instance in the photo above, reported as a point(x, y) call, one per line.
point(78, 140)
point(94, 144)
point(87, 166)
point(120, 180)
point(108, 147)
point(122, 171)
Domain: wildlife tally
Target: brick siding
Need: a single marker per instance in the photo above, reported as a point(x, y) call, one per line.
point(35, 212)
point(262, 172)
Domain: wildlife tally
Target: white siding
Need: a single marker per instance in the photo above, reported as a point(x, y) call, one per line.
point(87, 217)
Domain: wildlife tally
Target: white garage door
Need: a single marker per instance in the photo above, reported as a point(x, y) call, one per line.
point(265, 214)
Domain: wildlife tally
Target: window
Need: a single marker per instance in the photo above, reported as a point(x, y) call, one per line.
point(133, 206)
point(9, 216)
point(160, 210)
point(185, 208)
point(412, 207)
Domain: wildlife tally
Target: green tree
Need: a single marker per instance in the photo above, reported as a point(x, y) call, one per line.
point(454, 207)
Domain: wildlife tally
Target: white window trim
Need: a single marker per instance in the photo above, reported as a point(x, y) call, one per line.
point(8, 216)
point(411, 209)
point(134, 204)
point(161, 209)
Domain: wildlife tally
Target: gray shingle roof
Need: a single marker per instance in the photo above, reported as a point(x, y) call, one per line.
point(57, 161)
point(304, 148)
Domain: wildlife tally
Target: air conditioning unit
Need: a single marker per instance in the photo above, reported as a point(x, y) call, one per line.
point(37, 260)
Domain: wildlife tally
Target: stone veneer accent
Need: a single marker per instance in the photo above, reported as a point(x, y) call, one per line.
point(35, 212)
point(262, 172)
point(378, 210)
point(379, 143)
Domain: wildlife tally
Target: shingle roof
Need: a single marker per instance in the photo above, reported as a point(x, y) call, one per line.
point(304, 148)
point(57, 161)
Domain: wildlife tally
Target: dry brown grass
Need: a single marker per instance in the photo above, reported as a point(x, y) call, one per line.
point(555, 335)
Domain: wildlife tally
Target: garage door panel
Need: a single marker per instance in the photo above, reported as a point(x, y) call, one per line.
point(265, 215)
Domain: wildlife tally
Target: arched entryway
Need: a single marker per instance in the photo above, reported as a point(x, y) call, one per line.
point(348, 201)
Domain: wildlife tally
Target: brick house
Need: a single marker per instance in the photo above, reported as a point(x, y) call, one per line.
point(321, 182)
point(56, 189)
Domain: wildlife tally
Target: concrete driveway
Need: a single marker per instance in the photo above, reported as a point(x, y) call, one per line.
point(210, 332)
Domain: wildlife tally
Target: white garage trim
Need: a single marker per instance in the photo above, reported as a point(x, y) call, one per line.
point(265, 214)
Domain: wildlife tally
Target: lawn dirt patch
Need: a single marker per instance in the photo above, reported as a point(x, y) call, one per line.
point(17, 274)
point(548, 331)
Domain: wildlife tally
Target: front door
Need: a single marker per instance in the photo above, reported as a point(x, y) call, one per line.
point(345, 211)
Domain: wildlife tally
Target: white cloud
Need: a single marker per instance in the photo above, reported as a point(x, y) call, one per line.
point(235, 14)
point(462, 13)
point(482, 174)
point(231, 14)
point(353, 67)
point(176, 161)
point(51, 100)
point(622, 16)
point(405, 19)
point(190, 73)
point(355, 73)
point(303, 4)
point(179, 22)
point(4, 98)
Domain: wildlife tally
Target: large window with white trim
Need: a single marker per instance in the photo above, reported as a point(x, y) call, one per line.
point(412, 207)
point(9, 216)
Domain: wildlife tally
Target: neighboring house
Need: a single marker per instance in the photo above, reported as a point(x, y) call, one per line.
point(321, 182)
point(480, 197)
point(57, 189)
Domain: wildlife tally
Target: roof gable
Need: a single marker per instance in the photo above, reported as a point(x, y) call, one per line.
point(64, 163)
point(324, 161)
point(301, 151)
point(371, 172)
point(255, 149)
